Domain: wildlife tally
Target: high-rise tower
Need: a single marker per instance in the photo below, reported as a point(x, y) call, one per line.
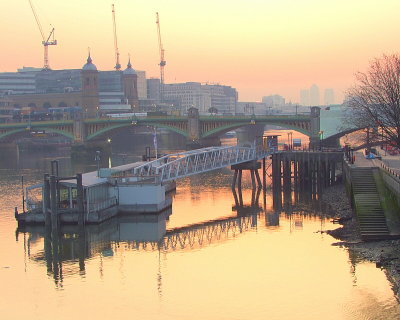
point(90, 89)
point(314, 95)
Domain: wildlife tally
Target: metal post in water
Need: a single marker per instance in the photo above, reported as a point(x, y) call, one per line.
point(53, 202)
point(23, 194)
point(253, 179)
point(46, 200)
point(81, 208)
point(258, 179)
point(264, 175)
point(234, 179)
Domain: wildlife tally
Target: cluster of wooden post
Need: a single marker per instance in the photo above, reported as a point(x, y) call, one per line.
point(311, 170)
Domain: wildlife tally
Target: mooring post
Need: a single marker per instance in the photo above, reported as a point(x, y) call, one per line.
point(46, 200)
point(82, 248)
point(253, 179)
point(235, 197)
point(240, 179)
point(258, 179)
point(253, 197)
point(234, 179)
point(81, 211)
point(264, 175)
point(53, 202)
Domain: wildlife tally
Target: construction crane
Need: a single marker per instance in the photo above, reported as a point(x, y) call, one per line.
point(117, 64)
point(162, 60)
point(49, 41)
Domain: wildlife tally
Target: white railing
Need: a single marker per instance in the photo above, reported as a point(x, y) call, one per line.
point(102, 204)
point(184, 164)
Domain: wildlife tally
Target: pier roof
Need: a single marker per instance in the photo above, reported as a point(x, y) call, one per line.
point(91, 179)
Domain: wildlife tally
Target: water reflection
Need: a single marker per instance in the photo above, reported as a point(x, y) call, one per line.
point(72, 245)
point(212, 253)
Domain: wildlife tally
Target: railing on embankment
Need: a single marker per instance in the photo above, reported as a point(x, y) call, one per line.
point(375, 193)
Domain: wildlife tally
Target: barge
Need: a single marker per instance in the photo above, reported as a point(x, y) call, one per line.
point(94, 197)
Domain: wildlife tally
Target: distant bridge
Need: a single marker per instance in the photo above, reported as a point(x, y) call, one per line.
point(326, 123)
point(193, 127)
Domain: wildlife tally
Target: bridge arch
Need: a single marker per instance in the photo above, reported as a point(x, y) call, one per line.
point(117, 126)
point(20, 131)
point(225, 128)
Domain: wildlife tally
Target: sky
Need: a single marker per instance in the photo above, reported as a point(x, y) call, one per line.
point(260, 47)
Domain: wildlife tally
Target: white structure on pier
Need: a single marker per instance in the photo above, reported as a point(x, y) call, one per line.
point(138, 187)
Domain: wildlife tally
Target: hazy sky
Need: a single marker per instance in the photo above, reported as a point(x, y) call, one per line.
point(261, 47)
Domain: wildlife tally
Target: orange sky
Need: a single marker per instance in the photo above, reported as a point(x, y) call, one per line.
point(261, 47)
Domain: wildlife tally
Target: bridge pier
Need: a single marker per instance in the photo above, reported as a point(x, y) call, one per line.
point(9, 153)
point(202, 143)
point(87, 151)
point(247, 135)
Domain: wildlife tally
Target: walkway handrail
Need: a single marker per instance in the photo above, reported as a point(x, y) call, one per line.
point(187, 163)
point(390, 171)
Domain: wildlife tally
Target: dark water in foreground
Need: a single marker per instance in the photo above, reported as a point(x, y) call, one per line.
point(206, 260)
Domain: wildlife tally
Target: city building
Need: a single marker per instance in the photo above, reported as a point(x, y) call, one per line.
point(92, 90)
point(314, 95)
point(274, 100)
point(305, 97)
point(329, 97)
point(141, 84)
point(202, 97)
point(153, 89)
point(249, 108)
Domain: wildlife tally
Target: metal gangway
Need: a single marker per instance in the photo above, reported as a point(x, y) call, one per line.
point(183, 164)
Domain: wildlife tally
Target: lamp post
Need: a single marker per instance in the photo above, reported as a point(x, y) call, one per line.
point(97, 159)
point(321, 138)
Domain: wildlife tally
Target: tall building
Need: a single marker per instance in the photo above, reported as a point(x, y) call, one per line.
point(19, 82)
point(92, 90)
point(314, 95)
point(202, 97)
point(129, 79)
point(141, 84)
point(305, 97)
point(153, 89)
point(329, 97)
point(274, 101)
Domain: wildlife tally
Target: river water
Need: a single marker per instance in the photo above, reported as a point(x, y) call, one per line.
point(207, 258)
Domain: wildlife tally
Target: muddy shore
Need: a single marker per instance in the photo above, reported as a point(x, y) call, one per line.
point(385, 254)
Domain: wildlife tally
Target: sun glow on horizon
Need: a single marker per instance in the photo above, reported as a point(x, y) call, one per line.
point(258, 47)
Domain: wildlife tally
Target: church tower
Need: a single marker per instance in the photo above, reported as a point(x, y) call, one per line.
point(90, 89)
point(129, 80)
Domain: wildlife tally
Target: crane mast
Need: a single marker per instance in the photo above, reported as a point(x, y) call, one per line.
point(50, 41)
point(117, 64)
point(162, 59)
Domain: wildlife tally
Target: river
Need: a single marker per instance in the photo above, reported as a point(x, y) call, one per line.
point(205, 259)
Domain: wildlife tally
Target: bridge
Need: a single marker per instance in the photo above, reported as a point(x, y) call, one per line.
point(193, 127)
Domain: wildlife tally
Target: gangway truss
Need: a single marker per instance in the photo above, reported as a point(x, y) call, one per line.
point(183, 164)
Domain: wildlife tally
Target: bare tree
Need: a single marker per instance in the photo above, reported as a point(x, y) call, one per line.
point(375, 98)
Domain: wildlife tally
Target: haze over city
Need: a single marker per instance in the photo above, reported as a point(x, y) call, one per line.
point(259, 47)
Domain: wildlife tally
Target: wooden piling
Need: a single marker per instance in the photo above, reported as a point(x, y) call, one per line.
point(253, 179)
point(234, 179)
point(81, 207)
point(46, 200)
point(258, 179)
point(53, 202)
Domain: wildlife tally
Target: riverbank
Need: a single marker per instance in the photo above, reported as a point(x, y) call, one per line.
point(385, 254)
